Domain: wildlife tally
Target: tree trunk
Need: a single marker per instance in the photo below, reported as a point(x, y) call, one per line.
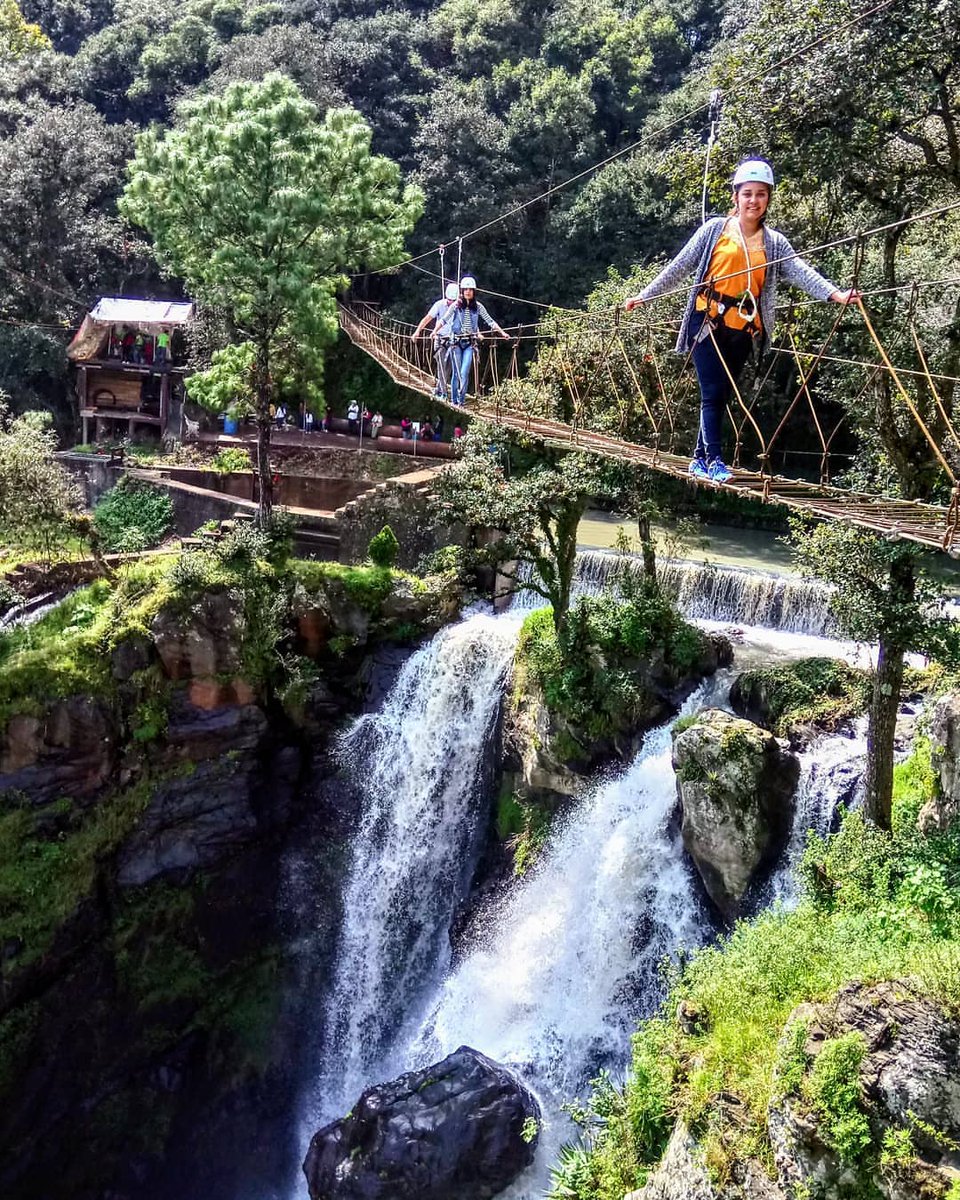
point(880, 732)
point(264, 389)
point(648, 550)
point(565, 534)
point(887, 682)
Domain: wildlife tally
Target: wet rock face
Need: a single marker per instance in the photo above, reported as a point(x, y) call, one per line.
point(455, 1129)
point(69, 750)
point(203, 643)
point(909, 1082)
point(736, 788)
point(944, 809)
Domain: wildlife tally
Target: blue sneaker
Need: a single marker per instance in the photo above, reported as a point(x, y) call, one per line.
point(718, 471)
point(698, 468)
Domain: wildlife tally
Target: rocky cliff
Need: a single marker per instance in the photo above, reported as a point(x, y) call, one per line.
point(162, 744)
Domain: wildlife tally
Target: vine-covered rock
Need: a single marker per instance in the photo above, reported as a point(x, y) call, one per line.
point(736, 787)
point(464, 1127)
point(869, 1088)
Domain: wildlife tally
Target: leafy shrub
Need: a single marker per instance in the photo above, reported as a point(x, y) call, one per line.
point(133, 516)
point(9, 596)
point(384, 548)
point(450, 560)
point(230, 459)
point(833, 1089)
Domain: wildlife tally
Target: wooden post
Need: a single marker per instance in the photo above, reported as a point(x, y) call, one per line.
point(164, 401)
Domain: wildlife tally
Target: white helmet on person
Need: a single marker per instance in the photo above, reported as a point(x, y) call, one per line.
point(753, 170)
point(451, 292)
point(468, 281)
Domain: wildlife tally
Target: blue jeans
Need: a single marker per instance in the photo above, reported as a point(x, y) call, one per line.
point(461, 360)
point(715, 389)
point(442, 354)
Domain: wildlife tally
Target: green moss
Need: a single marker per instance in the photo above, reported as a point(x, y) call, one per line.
point(45, 875)
point(813, 691)
point(367, 587)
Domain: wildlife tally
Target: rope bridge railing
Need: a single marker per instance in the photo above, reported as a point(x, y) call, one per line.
point(605, 385)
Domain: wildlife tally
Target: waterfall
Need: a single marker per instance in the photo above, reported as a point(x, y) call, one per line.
point(831, 779)
point(569, 959)
point(708, 592)
point(417, 764)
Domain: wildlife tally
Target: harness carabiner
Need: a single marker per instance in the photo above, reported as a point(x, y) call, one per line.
point(750, 316)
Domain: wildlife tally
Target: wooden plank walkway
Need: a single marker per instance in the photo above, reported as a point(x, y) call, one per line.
point(931, 525)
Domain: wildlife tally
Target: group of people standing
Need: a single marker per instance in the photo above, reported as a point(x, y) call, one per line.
point(456, 319)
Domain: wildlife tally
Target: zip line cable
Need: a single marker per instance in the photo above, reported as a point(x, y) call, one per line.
point(642, 140)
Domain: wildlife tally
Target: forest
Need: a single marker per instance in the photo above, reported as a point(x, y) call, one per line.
point(488, 107)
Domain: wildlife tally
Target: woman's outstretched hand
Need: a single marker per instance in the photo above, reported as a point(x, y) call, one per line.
point(851, 296)
point(632, 302)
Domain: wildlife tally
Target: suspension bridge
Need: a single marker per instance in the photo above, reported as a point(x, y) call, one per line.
point(624, 361)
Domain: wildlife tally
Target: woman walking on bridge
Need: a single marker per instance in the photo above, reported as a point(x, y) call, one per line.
point(463, 323)
point(737, 263)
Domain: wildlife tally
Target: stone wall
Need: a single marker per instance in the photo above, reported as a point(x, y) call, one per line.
point(407, 506)
point(96, 475)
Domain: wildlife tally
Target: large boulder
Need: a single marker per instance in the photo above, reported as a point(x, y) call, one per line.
point(795, 700)
point(944, 808)
point(464, 1128)
point(736, 787)
point(908, 1085)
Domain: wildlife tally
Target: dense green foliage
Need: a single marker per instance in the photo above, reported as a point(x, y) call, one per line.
point(875, 905)
point(812, 691)
point(589, 672)
point(384, 548)
point(487, 106)
point(133, 516)
point(535, 502)
point(261, 206)
point(39, 499)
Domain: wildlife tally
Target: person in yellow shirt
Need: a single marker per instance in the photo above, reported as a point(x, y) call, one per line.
point(737, 262)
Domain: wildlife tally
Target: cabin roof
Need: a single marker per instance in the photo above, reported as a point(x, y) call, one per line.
point(118, 310)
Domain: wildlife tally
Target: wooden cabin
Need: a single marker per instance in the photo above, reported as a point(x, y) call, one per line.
point(130, 369)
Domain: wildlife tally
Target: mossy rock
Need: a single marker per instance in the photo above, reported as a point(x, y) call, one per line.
point(820, 693)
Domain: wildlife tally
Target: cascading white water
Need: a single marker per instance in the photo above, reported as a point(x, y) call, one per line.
point(708, 592)
point(417, 763)
point(569, 959)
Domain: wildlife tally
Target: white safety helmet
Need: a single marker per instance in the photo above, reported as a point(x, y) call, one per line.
point(754, 170)
point(468, 281)
point(452, 292)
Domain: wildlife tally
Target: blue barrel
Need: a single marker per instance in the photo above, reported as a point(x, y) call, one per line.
point(229, 424)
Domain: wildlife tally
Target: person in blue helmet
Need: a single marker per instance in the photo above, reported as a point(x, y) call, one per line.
point(464, 320)
point(737, 262)
point(438, 313)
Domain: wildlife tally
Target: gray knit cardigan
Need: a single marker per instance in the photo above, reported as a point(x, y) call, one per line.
point(695, 257)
